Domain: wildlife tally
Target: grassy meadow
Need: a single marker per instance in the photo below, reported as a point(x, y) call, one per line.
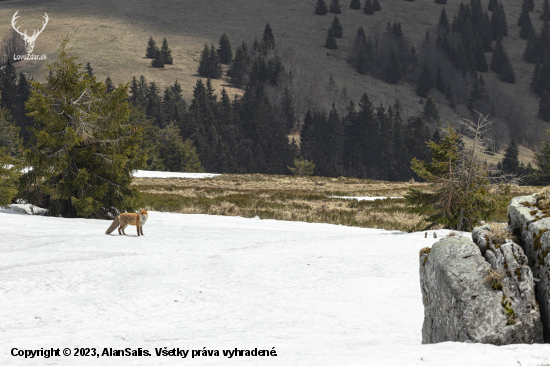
point(292, 198)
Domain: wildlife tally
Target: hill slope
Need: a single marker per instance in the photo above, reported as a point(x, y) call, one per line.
point(112, 36)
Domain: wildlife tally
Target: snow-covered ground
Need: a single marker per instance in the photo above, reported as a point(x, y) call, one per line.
point(320, 294)
point(156, 174)
point(364, 198)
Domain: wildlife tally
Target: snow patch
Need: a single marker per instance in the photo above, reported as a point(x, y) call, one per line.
point(157, 174)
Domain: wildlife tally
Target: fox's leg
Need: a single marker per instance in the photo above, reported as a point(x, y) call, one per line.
point(119, 230)
point(122, 228)
point(137, 227)
point(141, 229)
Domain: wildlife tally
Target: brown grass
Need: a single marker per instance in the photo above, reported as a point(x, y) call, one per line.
point(494, 279)
point(292, 198)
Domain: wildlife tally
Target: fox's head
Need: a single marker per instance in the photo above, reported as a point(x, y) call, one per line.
point(143, 214)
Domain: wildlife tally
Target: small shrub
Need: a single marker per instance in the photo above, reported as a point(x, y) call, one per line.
point(494, 278)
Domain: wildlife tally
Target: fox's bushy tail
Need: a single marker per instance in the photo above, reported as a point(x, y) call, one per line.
point(113, 226)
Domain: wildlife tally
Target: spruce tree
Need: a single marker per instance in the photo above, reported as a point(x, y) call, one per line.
point(239, 66)
point(507, 73)
point(497, 61)
point(441, 2)
point(109, 87)
point(493, 4)
point(376, 5)
point(425, 82)
point(545, 14)
point(10, 161)
point(335, 7)
point(209, 64)
point(89, 69)
point(502, 20)
point(477, 96)
point(166, 53)
point(330, 42)
point(224, 50)
point(510, 162)
point(530, 4)
point(530, 54)
point(8, 86)
point(268, 40)
point(82, 166)
point(524, 23)
point(355, 4)
point(321, 7)
point(158, 60)
point(443, 20)
point(368, 8)
point(544, 107)
point(430, 112)
point(336, 26)
point(151, 49)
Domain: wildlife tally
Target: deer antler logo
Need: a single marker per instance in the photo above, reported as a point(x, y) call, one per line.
point(29, 40)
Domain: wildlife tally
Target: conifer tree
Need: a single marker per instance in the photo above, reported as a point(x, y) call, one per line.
point(82, 166)
point(425, 82)
point(507, 73)
point(179, 156)
point(502, 20)
point(524, 23)
point(368, 8)
point(477, 96)
point(109, 87)
point(442, 2)
point(544, 107)
point(530, 4)
point(239, 67)
point(545, 13)
point(268, 40)
point(89, 69)
point(376, 5)
point(493, 4)
point(510, 162)
point(10, 162)
point(336, 26)
point(158, 60)
point(501, 65)
point(166, 53)
point(330, 42)
point(321, 7)
point(151, 49)
point(530, 54)
point(8, 86)
point(224, 50)
point(497, 61)
point(335, 7)
point(443, 20)
point(430, 111)
point(209, 64)
point(355, 4)
point(464, 191)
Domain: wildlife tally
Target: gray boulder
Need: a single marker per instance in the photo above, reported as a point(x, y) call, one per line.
point(532, 224)
point(461, 304)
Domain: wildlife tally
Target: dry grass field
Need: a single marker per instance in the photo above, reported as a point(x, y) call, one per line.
point(112, 36)
point(292, 198)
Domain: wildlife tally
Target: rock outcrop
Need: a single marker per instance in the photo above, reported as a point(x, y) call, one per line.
point(468, 295)
point(529, 219)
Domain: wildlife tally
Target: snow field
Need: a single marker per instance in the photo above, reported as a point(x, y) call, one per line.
point(320, 294)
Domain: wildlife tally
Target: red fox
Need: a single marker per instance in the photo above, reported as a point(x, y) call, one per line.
point(125, 219)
